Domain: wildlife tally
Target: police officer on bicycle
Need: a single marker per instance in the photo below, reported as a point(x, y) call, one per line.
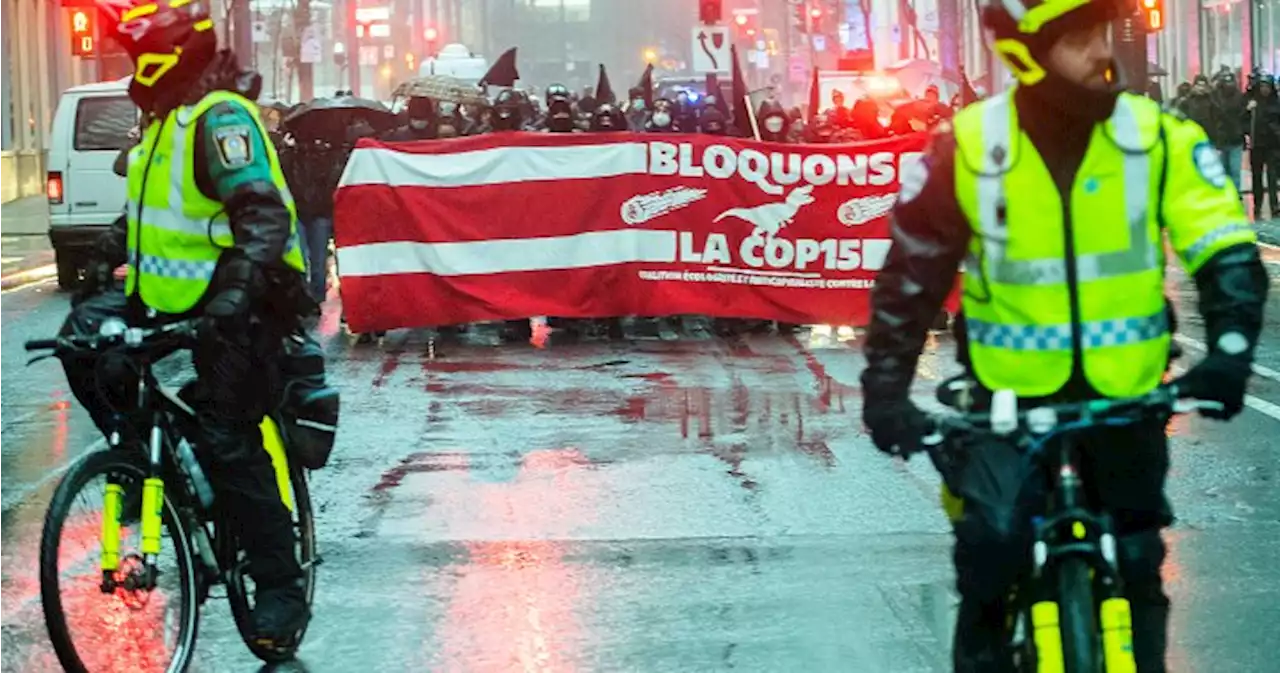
point(211, 230)
point(1055, 197)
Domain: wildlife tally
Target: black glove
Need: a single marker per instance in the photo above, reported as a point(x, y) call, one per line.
point(896, 425)
point(1217, 378)
point(238, 282)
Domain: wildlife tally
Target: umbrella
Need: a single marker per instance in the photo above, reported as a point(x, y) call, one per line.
point(325, 116)
point(444, 88)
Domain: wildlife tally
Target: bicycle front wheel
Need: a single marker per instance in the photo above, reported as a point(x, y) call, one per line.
point(144, 624)
point(1079, 622)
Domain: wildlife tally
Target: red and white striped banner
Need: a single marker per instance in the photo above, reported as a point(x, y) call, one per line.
point(514, 225)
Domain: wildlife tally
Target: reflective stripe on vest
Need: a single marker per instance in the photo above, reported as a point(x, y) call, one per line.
point(1142, 254)
point(1096, 334)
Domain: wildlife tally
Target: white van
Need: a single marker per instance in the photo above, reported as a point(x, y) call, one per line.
point(90, 128)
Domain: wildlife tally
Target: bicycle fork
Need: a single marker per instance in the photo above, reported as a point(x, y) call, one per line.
point(150, 520)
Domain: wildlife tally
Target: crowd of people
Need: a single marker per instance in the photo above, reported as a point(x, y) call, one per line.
point(313, 160)
point(1238, 119)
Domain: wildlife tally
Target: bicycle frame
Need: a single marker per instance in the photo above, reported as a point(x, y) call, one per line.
point(160, 441)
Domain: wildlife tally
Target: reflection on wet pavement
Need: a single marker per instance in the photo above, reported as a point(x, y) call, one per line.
point(653, 504)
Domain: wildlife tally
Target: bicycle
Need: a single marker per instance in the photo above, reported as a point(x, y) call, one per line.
point(1072, 599)
point(161, 490)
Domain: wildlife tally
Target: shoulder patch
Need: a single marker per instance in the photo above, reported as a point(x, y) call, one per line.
point(234, 147)
point(1209, 164)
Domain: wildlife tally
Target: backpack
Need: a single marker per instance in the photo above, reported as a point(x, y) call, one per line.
point(309, 406)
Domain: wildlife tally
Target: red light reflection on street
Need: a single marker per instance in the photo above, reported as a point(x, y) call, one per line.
point(108, 633)
point(58, 449)
point(516, 603)
point(1177, 583)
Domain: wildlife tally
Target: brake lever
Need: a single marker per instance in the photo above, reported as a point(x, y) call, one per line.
point(38, 358)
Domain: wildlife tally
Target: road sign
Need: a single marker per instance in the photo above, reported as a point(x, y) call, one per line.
point(710, 49)
point(389, 51)
point(368, 54)
point(260, 34)
point(309, 51)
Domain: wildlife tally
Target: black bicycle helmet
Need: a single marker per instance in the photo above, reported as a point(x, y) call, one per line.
point(170, 42)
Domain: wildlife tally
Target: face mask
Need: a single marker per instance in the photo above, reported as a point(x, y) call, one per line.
point(773, 124)
point(661, 119)
point(637, 104)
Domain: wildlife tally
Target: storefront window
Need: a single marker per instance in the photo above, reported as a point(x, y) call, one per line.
point(1224, 35)
point(1267, 34)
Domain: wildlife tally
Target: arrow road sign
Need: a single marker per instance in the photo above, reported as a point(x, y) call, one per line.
point(710, 49)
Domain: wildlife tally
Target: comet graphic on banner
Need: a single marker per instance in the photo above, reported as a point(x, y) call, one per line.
point(644, 207)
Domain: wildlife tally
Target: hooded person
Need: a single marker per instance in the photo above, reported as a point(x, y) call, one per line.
point(1199, 105)
point(712, 122)
point(1262, 123)
point(449, 121)
point(559, 110)
point(210, 233)
point(508, 111)
point(608, 118)
point(865, 120)
point(421, 112)
point(1228, 134)
point(773, 122)
point(661, 120)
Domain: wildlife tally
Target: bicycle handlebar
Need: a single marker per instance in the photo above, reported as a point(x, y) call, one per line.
point(114, 333)
point(1044, 422)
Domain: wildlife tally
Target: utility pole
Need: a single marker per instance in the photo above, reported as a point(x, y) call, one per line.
point(353, 49)
point(242, 23)
point(303, 28)
point(949, 36)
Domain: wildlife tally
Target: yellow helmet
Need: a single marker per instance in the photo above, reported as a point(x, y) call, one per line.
point(1025, 29)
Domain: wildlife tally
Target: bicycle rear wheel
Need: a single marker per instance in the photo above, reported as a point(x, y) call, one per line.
point(238, 592)
point(92, 630)
point(1079, 617)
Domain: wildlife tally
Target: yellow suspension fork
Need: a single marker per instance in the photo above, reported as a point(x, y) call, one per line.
point(152, 500)
point(112, 503)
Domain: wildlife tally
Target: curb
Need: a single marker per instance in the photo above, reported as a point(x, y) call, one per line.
point(24, 259)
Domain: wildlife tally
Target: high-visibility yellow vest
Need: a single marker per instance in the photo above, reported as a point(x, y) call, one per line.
point(1017, 301)
point(176, 233)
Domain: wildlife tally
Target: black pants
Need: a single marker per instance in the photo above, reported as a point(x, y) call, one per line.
point(237, 373)
point(1123, 470)
point(1263, 160)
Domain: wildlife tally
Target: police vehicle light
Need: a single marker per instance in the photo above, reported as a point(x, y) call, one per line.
point(816, 12)
point(431, 34)
point(740, 19)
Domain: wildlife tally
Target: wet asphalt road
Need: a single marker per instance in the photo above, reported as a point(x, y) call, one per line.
point(684, 503)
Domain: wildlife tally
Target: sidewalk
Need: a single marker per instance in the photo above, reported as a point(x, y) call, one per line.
point(25, 253)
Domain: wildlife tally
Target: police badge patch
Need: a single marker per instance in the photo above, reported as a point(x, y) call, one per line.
point(1209, 164)
point(234, 149)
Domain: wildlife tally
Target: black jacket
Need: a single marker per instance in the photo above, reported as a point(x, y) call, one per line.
point(1263, 124)
point(931, 237)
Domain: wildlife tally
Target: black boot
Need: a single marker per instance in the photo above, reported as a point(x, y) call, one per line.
point(979, 645)
point(265, 529)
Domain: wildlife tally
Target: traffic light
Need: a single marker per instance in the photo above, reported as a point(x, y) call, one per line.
point(744, 25)
point(432, 37)
point(710, 11)
point(815, 19)
point(1153, 15)
point(83, 41)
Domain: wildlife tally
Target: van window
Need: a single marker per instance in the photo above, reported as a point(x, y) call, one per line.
point(103, 123)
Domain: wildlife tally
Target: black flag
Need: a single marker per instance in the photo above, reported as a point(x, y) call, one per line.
point(713, 89)
point(503, 71)
point(738, 89)
point(604, 90)
point(815, 97)
point(646, 85)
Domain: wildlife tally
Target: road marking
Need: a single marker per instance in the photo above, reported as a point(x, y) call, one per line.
point(1256, 403)
point(21, 279)
point(26, 490)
